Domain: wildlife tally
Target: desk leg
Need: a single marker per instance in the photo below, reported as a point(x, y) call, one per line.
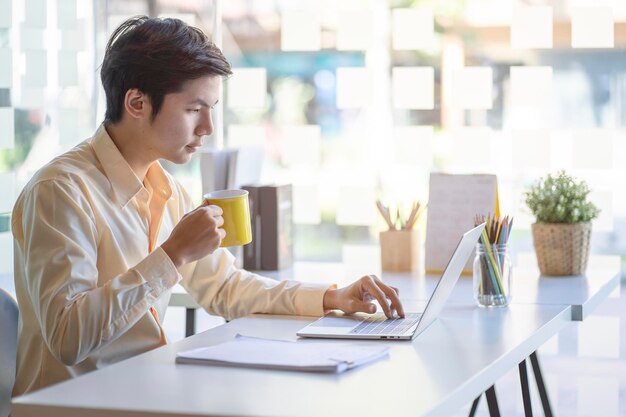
point(492, 402)
point(474, 406)
point(545, 402)
point(190, 322)
point(523, 377)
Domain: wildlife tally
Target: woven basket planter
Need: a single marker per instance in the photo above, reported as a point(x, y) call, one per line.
point(562, 249)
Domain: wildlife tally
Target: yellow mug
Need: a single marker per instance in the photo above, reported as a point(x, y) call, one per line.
point(236, 215)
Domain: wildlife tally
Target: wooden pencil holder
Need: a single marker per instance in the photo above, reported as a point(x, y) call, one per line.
point(399, 250)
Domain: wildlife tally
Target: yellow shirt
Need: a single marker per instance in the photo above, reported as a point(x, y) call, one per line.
point(86, 276)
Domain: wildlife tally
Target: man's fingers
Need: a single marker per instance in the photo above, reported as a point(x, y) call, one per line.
point(363, 307)
point(215, 210)
point(392, 293)
point(373, 288)
point(219, 221)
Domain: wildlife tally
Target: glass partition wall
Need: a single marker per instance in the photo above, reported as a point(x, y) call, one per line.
point(351, 101)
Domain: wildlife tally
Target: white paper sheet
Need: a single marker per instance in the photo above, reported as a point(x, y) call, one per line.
point(453, 202)
point(311, 356)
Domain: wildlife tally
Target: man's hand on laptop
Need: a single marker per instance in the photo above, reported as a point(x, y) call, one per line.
point(358, 297)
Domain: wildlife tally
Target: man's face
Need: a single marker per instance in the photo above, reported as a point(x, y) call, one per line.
point(185, 117)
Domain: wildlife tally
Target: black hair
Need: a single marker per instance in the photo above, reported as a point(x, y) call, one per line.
point(157, 57)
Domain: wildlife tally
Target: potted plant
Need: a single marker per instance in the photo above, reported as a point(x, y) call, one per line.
point(562, 231)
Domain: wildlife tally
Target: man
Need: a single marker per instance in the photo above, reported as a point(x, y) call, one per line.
point(102, 233)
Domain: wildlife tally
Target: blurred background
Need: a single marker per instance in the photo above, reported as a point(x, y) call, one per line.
point(352, 101)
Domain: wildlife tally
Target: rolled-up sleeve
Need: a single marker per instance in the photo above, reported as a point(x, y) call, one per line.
point(58, 239)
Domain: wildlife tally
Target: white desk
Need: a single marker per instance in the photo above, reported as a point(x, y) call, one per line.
point(582, 293)
point(449, 365)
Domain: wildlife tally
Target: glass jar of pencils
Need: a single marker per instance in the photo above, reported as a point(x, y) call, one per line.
point(492, 275)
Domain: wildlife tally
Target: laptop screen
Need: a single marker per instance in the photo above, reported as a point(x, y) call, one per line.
point(449, 277)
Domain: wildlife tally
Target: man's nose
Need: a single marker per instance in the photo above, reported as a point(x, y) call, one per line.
point(205, 127)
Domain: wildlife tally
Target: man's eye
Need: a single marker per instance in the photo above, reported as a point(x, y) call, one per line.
point(195, 110)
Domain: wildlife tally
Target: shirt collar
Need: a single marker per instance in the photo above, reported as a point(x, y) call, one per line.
point(159, 181)
point(124, 182)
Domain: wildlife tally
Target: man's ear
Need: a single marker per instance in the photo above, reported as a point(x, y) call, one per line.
point(137, 104)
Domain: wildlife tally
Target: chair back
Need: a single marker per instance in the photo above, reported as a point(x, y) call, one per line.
point(8, 345)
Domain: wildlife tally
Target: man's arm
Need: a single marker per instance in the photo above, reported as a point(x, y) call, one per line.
point(58, 240)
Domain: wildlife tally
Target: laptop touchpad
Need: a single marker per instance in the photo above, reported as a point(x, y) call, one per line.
point(337, 322)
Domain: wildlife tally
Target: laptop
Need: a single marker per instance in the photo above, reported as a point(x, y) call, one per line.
point(378, 326)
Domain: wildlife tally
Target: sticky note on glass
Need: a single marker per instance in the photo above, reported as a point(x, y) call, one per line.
point(6, 69)
point(356, 206)
point(592, 27)
point(247, 88)
point(413, 146)
point(31, 98)
point(35, 13)
point(241, 135)
point(7, 128)
point(300, 31)
point(73, 40)
point(472, 148)
point(68, 68)
point(353, 88)
point(301, 145)
point(306, 204)
point(531, 27)
point(7, 13)
point(593, 149)
point(525, 146)
point(354, 30)
point(531, 86)
point(66, 14)
point(36, 75)
point(413, 87)
point(412, 29)
point(32, 38)
point(471, 88)
point(70, 132)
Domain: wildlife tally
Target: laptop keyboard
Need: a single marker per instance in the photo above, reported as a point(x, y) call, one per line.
point(395, 326)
